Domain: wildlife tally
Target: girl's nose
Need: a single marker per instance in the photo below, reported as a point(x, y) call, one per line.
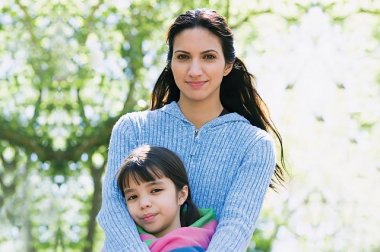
point(195, 68)
point(145, 202)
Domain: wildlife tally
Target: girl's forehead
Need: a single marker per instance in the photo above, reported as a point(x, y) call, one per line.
point(137, 180)
point(137, 185)
point(141, 174)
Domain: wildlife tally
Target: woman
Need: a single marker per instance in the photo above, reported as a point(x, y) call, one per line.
point(206, 109)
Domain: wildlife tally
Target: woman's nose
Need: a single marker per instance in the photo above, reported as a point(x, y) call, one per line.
point(195, 68)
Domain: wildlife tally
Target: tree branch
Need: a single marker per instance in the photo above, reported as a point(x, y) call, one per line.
point(29, 22)
point(36, 108)
point(249, 16)
point(90, 17)
point(33, 144)
point(81, 108)
point(372, 12)
point(227, 15)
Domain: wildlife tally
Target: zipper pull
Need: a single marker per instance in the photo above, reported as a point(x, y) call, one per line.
point(195, 144)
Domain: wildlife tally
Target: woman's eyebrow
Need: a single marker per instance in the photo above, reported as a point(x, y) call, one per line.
point(207, 51)
point(181, 51)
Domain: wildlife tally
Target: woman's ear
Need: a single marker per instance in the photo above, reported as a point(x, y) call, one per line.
point(227, 69)
point(182, 195)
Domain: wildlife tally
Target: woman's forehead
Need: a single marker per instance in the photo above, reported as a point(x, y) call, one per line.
point(196, 39)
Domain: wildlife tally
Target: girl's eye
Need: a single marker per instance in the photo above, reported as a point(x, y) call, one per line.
point(209, 57)
point(132, 197)
point(156, 190)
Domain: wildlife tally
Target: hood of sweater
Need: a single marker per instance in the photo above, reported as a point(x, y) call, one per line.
point(174, 110)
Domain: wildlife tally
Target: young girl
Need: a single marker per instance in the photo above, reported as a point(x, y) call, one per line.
point(205, 108)
point(154, 182)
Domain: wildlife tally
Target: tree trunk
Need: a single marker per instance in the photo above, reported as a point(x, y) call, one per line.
point(96, 175)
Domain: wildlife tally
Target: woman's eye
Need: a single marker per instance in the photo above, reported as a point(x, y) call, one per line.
point(132, 197)
point(182, 57)
point(209, 57)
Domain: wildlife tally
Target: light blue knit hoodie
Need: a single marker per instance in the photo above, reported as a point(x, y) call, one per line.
point(229, 163)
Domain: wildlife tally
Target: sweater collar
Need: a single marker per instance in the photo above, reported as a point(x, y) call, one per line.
point(174, 110)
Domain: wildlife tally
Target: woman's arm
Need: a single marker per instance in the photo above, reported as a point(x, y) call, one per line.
point(120, 230)
point(245, 197)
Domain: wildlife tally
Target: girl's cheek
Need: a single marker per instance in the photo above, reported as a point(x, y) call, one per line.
point(130, 208)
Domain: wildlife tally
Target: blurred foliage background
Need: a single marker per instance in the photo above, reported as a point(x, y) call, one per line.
point(69, 69)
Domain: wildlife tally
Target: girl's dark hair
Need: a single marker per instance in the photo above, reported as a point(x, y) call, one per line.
point(237, 93)
point(147, 163)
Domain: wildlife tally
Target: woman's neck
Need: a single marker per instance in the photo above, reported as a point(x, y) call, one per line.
point(199, 113)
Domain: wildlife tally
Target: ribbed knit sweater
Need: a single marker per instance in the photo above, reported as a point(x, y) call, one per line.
point(229, 164)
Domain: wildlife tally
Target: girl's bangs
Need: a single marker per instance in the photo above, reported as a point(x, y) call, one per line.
point(142, 174)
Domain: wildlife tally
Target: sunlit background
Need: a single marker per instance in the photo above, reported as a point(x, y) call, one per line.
point(69, 69)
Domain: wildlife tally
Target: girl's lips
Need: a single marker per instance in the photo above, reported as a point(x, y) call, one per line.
point(148, 217)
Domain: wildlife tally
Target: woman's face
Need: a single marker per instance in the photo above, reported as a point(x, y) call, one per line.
point(198, 65)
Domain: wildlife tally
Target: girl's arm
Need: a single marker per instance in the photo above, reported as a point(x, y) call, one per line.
point(245, 197)
point(119, 228)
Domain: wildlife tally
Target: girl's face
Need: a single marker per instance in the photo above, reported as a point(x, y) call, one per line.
point(198, 65)
point(155, 206)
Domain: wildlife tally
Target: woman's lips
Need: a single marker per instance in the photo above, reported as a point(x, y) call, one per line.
point(196, 84)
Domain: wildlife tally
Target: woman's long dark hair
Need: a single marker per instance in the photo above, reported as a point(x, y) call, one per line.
point(238, 91)
point(147, 163)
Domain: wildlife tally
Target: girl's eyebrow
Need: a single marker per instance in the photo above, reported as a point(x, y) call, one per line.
point(151, 183)
point(128, 190)
point(155, 182)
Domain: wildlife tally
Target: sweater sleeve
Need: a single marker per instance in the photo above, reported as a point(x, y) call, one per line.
point(245, 197)
point(119, 228)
